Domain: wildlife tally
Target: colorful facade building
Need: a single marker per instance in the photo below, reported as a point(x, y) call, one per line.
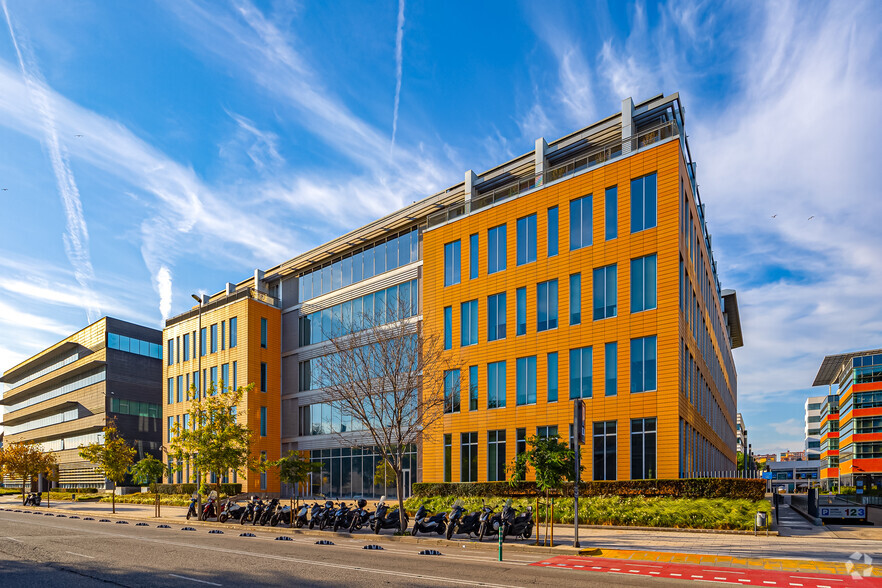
point(581, 269)
point(829, 472)
point(63, 396)
point(857, 378)
point(230, 340)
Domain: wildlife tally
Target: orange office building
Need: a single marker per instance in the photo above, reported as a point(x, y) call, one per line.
point(582, 268)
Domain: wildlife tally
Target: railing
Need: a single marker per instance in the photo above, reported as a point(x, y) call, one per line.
point(226, 299)
point(593, 158)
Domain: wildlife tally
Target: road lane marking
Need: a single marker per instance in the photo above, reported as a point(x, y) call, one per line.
point(81, 554)
point(14, 539)
point(381, 572)
point(808, 578)
point(195, 580)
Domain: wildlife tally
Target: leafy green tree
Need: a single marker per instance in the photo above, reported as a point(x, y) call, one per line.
point(294, 469)
point(149, 470)
point(553, 462)
point(114, 457)
point(26, 460)
point(216, 442)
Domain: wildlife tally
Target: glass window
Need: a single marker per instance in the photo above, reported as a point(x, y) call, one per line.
point(643, 203)
point(171, 352)
point(357, 267)
point(552, 377)
point(469, 323)
point(474, 253)
point(612, 213)
point(643, 449)
point(225, 377)
point(448, 457)
point(368, 262)
point(496, 456)
point(546, 305)
point(521, 298)
point(605, 450)
point(448, 327)
point(580, 222)
point(223, 335)
point(468, 457)
point(611, 369)
point(263, 377)
point(391, 254)
point(473, 387)
point(203, 335)
point(452, 263)
point(181, 388)
point(171, 391)
point(520, 441)
point(263, 421)
point(169, 427)
point(643, 283)
point(234, 335)
point(496, 385)
point(214, 338)
point(496, 249)
point(580, 373)
point(526, 239)
point(496, 317)
point(186, 346)
point(546, 431)
point(404, 249)
point(575, 299)
point(451, 390)
point(552, 231)
point(346, 268)
point(380, 259)
point(263, 330)
point(526, 380)
point(605, 286)
point(643, 364)
point(233, 381)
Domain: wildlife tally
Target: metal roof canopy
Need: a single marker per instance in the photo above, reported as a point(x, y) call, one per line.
point(733, 318)
point(832, 366)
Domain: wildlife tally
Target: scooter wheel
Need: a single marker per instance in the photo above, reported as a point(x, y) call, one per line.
point(311, 524)
point(441, 528)
point(415, 530)
point(481, 532)
point(376, 529)
point(188, 516)
point(222, 518)
point(244, 519)
point(450, 531)
point(528, 532)
point(274, 521)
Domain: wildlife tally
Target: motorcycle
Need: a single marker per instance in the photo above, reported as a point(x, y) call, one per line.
point(360, 516)
point(191, 510)
point(342, 517)
point(315, 513)
point(268, 511)
point(251, 510)
point(33, 499)
point(463, 524)
point(302, 514)
point(517, 525)
point(210, 508)
point(231, 510)
point(490, 522)
point(426, 524)
point(383, 518)
point(323, 516)
point(282, 515)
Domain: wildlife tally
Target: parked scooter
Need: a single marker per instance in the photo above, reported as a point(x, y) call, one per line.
point(302, 517)
point(33, 499)
point(316, 513)
point(191, 510)
point(459, 522)
point(428, 524)
point(323, 516)
point(210, 508)
point(251, 510)
point(490, 522)
point(360, 516)
point(342, 517)
point(267, 513)
point(282, 515)
point(517, 525)
point(231, 510)
point(383, 518)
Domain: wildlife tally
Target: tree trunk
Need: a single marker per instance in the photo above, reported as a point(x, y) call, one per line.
point(23, 496)
point(399, 478)
point(113, 498)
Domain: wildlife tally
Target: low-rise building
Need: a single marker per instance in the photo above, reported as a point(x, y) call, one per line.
point(792, 456)
point(813, 426)
point(63, 396)
point(794, 476)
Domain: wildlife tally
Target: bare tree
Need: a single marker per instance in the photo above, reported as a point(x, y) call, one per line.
point(387, 375)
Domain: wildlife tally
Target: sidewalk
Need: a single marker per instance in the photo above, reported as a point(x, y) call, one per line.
point(823, 552)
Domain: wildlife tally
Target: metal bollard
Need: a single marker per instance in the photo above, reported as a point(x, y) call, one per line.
point(500, 543)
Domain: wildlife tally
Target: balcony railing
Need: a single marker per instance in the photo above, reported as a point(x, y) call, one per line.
point(223, 300)
point(585, 161)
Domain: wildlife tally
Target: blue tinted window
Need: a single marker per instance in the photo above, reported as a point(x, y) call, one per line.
point(496, 385)
point(496, 249)
point(448, 327)
point(611, 370)
point(605, 285)
point(521, 301)
point(643, 203)
point(552, 377)
point(580, 373)
point(263, 421)
point(234, 332)
point(526, 239)
point(643, 364)
point(469, 323)
point(473, 387)
point(496, 317)
point(575, 299)
point(263, 332)
point(546, 305)
point(612, 213)
point(451, 391)
point(526, 380)
point(553, 237)
point(474, 253)
point(452, 263)
point(580, 222)
point(643, 283)
point(263, 377)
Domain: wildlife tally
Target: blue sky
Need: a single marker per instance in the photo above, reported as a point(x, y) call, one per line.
point(219, 137)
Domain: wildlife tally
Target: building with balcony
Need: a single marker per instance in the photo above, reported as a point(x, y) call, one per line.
point(581, 269)
point(740, 434)
point(857, 397)
point(813, 426)
point(63, 396)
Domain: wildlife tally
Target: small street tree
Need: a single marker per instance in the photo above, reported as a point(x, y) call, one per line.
point(385, 376)
point(294, 469)
point(149, 471)
point(552, 461)
point(113, 457)
point(26, 460)
point(215, 442)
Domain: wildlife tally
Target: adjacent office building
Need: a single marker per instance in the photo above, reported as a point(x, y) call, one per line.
point(813, 426)
point(63, 396)
point(740, 434)
point(853, 415)
point(582, 269)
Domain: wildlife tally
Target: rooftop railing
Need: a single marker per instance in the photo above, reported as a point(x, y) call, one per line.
point(593, 158)
point(223, 300)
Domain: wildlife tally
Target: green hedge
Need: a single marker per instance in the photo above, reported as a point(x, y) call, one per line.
point(676, 488)
point(228, 489)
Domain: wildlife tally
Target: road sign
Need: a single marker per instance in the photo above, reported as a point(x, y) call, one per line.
point(843, 512)
point(767, 475)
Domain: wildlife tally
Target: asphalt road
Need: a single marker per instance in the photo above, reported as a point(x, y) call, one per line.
point(39, 551)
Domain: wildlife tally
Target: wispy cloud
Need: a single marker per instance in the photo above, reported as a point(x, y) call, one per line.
point(164, 287)
point(399, 59)
point(76, 237)
point(262, 146)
